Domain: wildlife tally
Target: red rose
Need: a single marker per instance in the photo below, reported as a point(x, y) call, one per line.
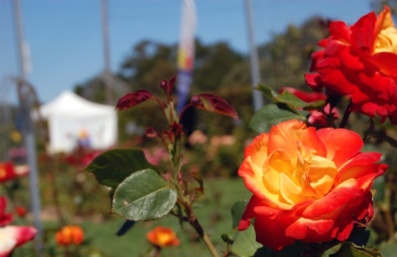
point(359, 61)
point(307, 185)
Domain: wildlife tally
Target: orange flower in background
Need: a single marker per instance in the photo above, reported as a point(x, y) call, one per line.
point(162, 237)
point(70, 235)
point(359, 61)
point(307, 185)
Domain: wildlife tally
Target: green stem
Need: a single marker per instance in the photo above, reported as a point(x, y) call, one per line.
point(346, 115)
point(200, 231)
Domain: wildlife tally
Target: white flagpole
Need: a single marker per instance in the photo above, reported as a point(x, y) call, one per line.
point(255, 75)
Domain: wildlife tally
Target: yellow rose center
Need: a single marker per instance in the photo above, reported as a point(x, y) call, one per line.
point(386, 40)
point(291, 179)
point(164, 238)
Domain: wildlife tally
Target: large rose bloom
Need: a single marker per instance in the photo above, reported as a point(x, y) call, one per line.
point(359, 61)
point(307, 185)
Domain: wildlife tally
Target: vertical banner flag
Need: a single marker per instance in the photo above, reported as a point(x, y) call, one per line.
point(186, 53)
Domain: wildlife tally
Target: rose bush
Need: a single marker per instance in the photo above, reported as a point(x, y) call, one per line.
point(358, 61)
point(307, 185)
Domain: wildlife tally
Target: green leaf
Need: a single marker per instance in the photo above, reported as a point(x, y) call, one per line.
point(267, 91)
point(271, 115)
point(318, 105)
point(295, 103)
point(245, 244)
point(144, 195)
point(348, 250)
point(237, 210)
point(290, 99)
point(170, 113)
point(112, 167)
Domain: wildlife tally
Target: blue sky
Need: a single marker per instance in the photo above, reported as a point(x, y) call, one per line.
point(65, 37)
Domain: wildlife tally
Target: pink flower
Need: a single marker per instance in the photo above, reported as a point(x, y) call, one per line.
point(14, 236)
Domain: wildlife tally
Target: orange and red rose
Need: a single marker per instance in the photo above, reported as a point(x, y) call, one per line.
point(162, 237)
point(69, 235)
point(307, 184)
point(359, 61)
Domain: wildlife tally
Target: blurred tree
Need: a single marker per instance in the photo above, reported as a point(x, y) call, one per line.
point(378, 5)
point(218, 65)
point(152, 62)
point(149, 64)
point(286, 58)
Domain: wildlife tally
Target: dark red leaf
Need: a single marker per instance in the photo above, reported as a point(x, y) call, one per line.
point(131, 99)
point(214, 103)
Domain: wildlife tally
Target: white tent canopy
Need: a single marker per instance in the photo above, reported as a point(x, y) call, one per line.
point(72, 118)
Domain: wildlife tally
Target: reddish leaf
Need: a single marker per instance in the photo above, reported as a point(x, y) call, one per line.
point(131, 99)
point(214, 103)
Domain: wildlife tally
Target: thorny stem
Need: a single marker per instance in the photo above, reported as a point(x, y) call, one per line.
point(191, 217)
point(193, 221)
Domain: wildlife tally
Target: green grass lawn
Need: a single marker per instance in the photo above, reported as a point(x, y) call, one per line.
point(213, 211)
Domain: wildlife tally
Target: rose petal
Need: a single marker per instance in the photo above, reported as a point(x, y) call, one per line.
point(341, 144)
point(14, 236)
point(271, 233)
point(331, 202)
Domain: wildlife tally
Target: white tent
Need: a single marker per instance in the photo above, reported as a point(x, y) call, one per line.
point(72, 119)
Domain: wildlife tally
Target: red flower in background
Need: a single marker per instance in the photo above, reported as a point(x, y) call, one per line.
point(69, 235)
point(162, 237)
point(359, 61)
point(21, 211)
point(4, 217)
point(307, 184)
point(81, 157)
point(8, 171)
point(316, 118)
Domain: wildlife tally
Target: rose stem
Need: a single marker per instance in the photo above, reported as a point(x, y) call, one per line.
point(345, 116)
